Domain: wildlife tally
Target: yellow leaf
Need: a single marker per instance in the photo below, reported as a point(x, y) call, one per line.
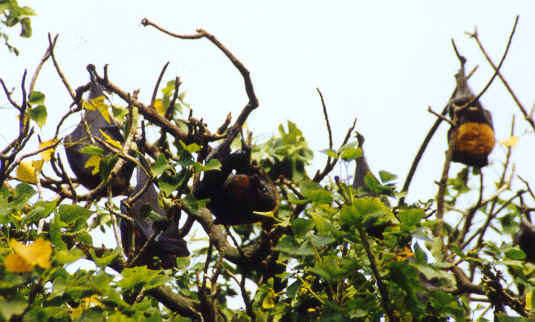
point(77, 312)
point(92, 300)
point(37, 253)
point(529, 299)
point(110, 140)
point(47, 154)
point(94, 161)
point(405, 253)
point(158, 106)
point(269, 300)
point(98, 104)
point(27, 171)
point(17, 264)
point(510, 142)
point(85, 303)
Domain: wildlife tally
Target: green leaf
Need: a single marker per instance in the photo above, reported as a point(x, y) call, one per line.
point(68, 256)
point(93, 314)
point(71, 213)
point(350, 152)
point(290, 246)
point(318, 195)
point(37, 98)
point(40, 210)
point(410, 218)
point(160, 166)
point(9, 308)
point(362, 207)
point(39, 115)
point(387, 176)
point(92, 149)
point(321, 242)
point(329, 271)
point(55, 233)
point(330, 153)
point(27, 11)
point(515, 254)
point(301, 226)
point(141, 276)
point(421, 257)
point(26, 27)
point(106, 258)
point(213, 164)
point(11, 281)
point(349, 215)
point(170, 182)
point(150, 215)
point(323, 225)
point(191, 148)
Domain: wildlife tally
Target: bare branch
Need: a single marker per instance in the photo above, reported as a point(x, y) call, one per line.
point(157, 86)
point(60, 73)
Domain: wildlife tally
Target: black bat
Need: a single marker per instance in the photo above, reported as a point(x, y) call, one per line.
point(79, 139)
point(235, 196)
point(526, 239)
point(166, 243)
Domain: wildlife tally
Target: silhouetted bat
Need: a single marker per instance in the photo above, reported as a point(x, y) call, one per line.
point(361, 167)
point(166, 245)
point(79, 139)
point(235, 196)
point(526, 240)
point(361, 170)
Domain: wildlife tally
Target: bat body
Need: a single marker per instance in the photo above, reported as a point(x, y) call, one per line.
point(473, 135)
point(235, 196)
point(79, 139)
point(526, 240)
point(473, 132)
point(166, 243)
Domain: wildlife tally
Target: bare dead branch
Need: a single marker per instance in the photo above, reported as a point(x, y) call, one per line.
point(249, 89)
point(41, 63)
point(523, 110)
point(440, 116)
point(157, 86)
point(497, 69)
point(58, 69)
point(326, 117)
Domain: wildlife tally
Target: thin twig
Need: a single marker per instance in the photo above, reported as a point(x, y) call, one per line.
point(157, 86)
point(60, 73)
point(497, 69)
point(385, 299)
point(41, 63)
point(440, 116)
point(249, 89)
point(509, 89)
point(326, 117)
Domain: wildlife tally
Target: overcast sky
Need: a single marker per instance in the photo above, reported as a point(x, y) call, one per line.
point(382, 62)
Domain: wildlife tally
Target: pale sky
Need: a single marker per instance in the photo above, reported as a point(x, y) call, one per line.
point(383, 62)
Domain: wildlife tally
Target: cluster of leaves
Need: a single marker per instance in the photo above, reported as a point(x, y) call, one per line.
point(14, 15)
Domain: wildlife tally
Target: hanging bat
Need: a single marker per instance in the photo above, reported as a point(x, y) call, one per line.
point(238, 189)
point(79, 139)
point(166, 243)
point(473, 132)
